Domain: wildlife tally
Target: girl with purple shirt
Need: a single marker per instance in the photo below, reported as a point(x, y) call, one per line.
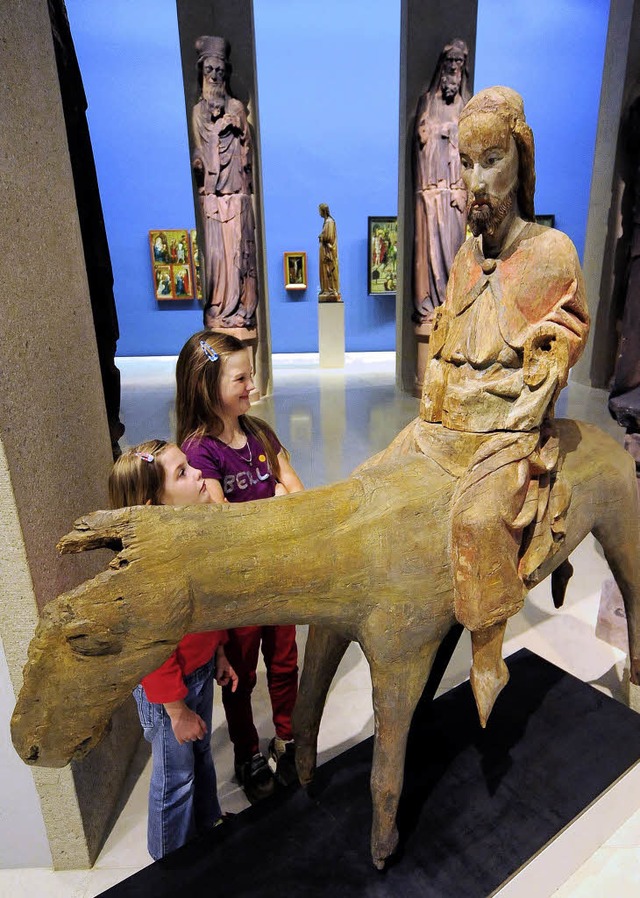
point(241, 459)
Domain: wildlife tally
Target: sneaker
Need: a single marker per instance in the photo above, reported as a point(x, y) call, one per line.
point(255, 778)
point(282, 760)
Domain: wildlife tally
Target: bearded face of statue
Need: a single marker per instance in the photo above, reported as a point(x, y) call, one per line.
point(214, 89)
point(451, 75)
point(489, 159)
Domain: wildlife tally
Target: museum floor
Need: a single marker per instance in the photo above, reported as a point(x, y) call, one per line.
point(331, 420)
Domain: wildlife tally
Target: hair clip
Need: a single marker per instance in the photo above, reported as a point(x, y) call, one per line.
point(210, 353)
point(145, 456)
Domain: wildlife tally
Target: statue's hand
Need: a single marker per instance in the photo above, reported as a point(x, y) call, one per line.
point(459, 199)
point(230, 120)
point(198, 170)
point(546, 351)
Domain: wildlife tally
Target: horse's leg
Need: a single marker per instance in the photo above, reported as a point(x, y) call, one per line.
point(559, 581)
point(397, 687)
point(489, 673)
point(323, 653)
point(618, 532)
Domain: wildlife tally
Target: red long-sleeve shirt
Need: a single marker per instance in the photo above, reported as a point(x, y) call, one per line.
point(166, 683)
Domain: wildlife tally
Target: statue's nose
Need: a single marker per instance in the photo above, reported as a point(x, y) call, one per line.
point(477, 182)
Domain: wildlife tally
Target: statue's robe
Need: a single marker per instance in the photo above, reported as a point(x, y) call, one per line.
point(487, 407)
point(223, 146)
point(439, 224)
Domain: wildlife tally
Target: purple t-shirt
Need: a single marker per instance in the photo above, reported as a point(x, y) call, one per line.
point(243, 473)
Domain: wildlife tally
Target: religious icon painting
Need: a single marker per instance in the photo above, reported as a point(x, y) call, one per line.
point(162, 277)
point(182, 282)
point(171, 264)
point(295, 271)
point(195, 257)
point(549, 221)
point(382, 255)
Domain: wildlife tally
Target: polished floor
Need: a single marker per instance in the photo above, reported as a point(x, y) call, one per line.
point(331, 420)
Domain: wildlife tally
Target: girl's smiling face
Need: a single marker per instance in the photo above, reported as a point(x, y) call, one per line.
point(183, 485)
point(235, 384)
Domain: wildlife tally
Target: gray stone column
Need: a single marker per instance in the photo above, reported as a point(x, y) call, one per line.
point(426, 26)
point(55, 452)
point(621, 72)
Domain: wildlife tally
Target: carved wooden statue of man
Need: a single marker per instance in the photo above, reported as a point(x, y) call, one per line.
point(440, 192)
point(222, 167)
point(329, 270)
point(514, 321)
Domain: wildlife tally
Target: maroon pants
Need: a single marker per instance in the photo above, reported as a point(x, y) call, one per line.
point(280, 655)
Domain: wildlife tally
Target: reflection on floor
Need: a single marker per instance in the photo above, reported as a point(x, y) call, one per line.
point(331, 420)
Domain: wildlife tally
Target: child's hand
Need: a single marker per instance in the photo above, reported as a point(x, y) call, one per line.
point(225, 674)
point(281, 490)
point(187, 726)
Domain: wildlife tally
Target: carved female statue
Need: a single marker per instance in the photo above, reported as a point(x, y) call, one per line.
point(439, 189)
point(329, 270)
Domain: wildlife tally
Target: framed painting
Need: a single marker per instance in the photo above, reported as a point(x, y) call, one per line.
point(171, 264)
point(162, 279)
point(195, 256)
point(295, 271)
point(549, 221)
point(382, 254)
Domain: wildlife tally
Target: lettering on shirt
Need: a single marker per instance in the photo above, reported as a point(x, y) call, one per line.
point(242, 480)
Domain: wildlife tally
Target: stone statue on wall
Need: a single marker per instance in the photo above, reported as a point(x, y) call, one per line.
point(329, 270)
point(222, 165)
point(439, 189)
point(624, 401)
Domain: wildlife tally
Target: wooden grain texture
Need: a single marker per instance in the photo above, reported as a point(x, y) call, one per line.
point(367, 559)
point(477, 499)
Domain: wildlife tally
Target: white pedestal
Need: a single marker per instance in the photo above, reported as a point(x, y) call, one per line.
point(331, 334)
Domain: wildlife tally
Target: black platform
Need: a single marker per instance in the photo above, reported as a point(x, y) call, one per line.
point(476, 804)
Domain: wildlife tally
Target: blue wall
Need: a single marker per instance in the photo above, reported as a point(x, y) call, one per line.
point(551, 52)
point(328, 90)
point(328, 94)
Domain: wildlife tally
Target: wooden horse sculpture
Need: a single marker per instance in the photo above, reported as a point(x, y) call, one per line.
point(347, 560)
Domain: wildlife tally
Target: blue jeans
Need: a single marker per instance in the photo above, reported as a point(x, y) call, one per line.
point(183, 799)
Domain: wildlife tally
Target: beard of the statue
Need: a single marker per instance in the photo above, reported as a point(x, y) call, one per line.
point(450, 85)
point(215, 95)
point(486, 213)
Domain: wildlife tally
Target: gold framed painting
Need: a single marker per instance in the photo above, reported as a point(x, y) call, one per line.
point(295, 271)
point(382, 249)
point(195, 256)
point(171, 264)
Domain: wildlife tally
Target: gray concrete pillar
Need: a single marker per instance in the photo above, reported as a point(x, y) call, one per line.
point(55, 452)
point(621, 72)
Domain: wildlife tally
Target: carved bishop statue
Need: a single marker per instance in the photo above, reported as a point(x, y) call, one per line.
point(222, 165)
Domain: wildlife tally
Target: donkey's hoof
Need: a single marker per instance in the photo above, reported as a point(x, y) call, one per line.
point(383, 849)
point(305, 763)
point(487, 686)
